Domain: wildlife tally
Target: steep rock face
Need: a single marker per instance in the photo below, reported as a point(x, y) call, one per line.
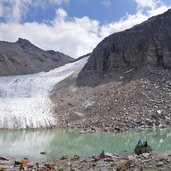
point(22, 57)
point(146, 43)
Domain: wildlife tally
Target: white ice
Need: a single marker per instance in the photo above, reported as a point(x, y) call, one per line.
point(24, 99)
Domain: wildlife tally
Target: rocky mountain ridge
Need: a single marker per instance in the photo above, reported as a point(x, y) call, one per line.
point(144, 44)
point(22, 57)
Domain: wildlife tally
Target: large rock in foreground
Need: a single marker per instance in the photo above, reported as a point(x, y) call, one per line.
point(22, 57)
point(146, 43)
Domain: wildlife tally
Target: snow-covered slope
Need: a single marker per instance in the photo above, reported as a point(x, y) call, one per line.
point(24, 100)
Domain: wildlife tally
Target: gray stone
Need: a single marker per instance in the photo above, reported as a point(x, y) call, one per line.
point(159, 112)
point(146, 155)
point(103, 169)
point(108, 154)
point(160, 163)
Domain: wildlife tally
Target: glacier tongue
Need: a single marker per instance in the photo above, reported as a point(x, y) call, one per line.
point(24, 100)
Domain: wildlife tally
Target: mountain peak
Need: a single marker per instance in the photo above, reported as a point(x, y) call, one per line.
point(22, 57)
point(169, 10)
point(24, 42)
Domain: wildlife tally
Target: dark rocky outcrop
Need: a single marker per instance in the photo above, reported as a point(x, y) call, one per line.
point(146, 43)
point(22, 57)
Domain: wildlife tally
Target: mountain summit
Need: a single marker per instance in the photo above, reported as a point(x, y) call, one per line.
point(146, 43)
point(24, 43)
point(22, 57)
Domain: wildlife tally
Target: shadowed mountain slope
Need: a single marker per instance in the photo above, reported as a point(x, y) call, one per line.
point(146, 43)
point(22, 57)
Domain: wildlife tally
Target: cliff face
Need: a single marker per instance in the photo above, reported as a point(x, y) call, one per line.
point(22, 57)
point(146, 43)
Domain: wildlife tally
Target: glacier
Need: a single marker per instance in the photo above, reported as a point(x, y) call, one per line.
point(25, 99)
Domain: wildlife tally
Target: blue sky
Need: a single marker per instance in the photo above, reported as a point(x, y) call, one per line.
point(74, 27)
point(104, 11)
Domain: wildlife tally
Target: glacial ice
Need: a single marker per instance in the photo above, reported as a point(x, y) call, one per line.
point(24, 99)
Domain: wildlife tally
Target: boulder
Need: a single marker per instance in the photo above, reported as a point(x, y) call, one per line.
point(142, 148)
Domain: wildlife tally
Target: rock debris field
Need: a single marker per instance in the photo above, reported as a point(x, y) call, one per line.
point(130, 100)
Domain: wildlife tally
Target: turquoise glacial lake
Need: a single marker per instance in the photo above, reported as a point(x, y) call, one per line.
point(60, 142)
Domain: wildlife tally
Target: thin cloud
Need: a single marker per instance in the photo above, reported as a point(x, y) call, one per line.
point(141, 4)
point(15, 10)
point(107, 3)
point(1, 10)
point(59, 2)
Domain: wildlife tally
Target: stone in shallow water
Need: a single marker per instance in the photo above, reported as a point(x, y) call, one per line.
point(43, 153)
point(142, 148)
point(4, 158)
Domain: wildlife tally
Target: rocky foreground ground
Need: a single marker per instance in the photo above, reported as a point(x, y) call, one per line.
point(136, 98)
point(102, 162)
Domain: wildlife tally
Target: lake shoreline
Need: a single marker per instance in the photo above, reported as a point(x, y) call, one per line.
point(72, 154)
point(107, 129)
